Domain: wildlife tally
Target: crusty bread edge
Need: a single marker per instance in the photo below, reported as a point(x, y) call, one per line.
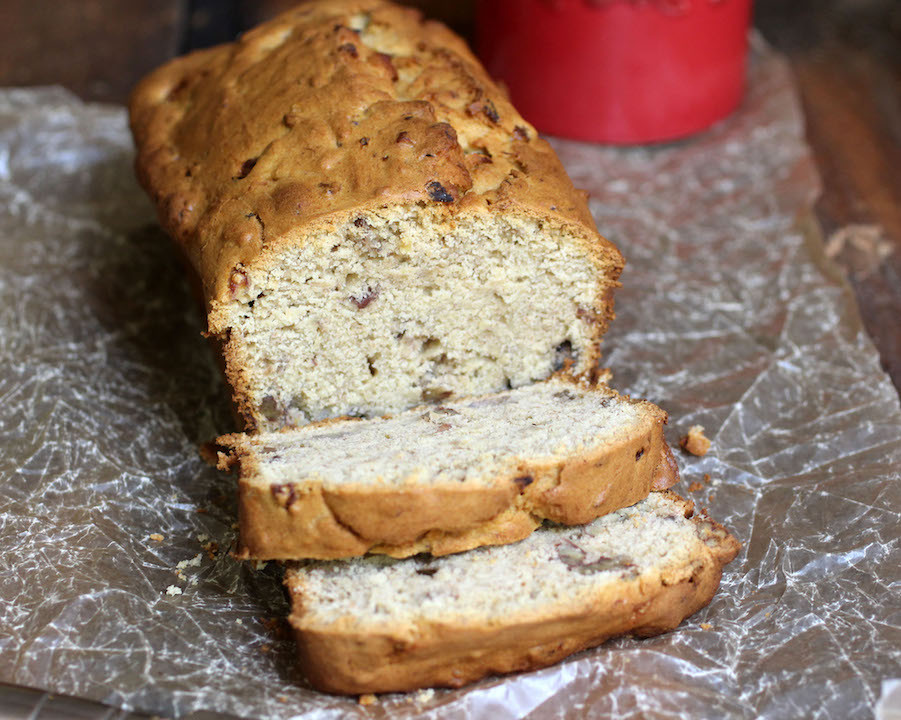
point(342, 659)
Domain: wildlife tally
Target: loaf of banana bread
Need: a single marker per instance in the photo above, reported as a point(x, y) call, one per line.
point(371, 222)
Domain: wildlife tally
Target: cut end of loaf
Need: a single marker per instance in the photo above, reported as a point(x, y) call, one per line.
point(391, 310)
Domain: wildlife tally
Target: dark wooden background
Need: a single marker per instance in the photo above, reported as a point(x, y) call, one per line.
point(846, 55)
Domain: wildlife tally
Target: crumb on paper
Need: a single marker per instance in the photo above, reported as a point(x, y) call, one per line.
point(212, 547)
point(706, 478)
point(239, 621)
point(156, 537)
point(706, 626)
point(695, 486)
point(266, 647)
point(173, 590)
point(423, 696)
point(260, 564)
point(283, 698)
point(202, 538)
point(367, 699)
point(695, 442)
point(193, 562)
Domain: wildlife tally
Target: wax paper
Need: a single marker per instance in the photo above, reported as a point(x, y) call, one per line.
point(116, 581)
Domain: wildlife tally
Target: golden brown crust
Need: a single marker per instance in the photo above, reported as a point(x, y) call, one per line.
point(293, 521)
point(304, 123)
point(342, 659)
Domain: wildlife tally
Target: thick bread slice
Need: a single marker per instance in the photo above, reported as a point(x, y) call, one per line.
point(447, 478)
point(373, 225)
point(376, 625)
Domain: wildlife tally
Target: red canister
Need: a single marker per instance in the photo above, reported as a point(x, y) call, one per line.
point(618, 71)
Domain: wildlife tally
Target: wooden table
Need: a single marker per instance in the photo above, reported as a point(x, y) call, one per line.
point(846, 55)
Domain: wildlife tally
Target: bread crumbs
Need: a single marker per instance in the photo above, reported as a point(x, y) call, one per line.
point(695, 442)
point(212, 547)
point(706, 626)
point(173, 590)
point(193, 562)
point(156, 537)
point(695, 486)
point(367, 699)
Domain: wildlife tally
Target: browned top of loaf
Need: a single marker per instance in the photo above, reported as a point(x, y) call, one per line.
point(306, 118)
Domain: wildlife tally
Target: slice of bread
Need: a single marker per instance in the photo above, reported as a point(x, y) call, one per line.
point(447, 478)
point(376, 625)
point(372, 224)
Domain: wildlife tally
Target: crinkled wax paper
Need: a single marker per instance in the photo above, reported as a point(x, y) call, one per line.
point(116, 583)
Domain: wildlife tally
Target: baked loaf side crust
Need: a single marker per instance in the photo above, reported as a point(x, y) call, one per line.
point(341, 658)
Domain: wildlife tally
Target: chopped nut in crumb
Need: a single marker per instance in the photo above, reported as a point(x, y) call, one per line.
point(706, 626)
point(367, 699)
point(156, 537)
point(173, 590)
point(695, 442)
point(695, 486)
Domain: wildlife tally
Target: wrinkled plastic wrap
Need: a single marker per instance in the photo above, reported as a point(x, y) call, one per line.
point(116, 582)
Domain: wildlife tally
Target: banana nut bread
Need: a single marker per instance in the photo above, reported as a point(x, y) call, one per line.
point(446, 478)
point(373, 225)
point(375, 624)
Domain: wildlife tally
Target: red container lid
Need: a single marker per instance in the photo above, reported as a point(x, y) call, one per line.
point(619, 71)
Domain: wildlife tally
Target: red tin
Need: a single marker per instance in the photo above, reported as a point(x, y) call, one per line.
point(618, 71)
